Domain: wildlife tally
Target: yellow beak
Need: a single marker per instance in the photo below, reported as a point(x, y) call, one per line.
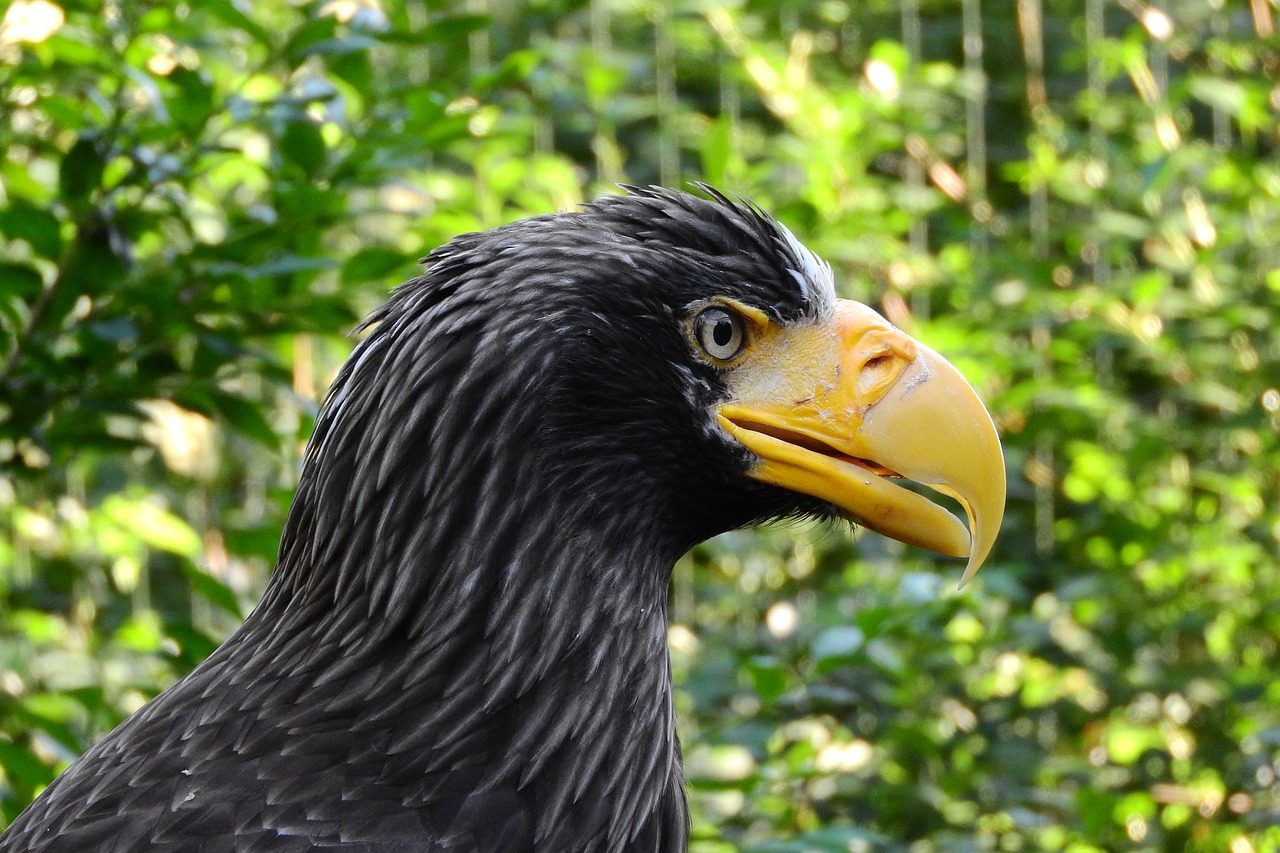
point(838, 410)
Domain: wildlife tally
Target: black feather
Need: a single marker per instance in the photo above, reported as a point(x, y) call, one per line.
point(463, 646)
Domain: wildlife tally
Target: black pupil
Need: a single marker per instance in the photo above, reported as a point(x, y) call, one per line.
point(722, 331)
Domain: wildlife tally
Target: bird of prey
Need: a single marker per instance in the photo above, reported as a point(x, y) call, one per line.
point(463, 646)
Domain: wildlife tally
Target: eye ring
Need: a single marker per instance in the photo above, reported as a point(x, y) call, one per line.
point(719, 333)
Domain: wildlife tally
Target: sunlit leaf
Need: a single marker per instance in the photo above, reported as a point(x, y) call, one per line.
point(153, 525)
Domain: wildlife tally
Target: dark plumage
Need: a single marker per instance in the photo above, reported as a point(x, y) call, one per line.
point(463, 645)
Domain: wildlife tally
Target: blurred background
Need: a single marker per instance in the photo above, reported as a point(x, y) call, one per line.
point(1077, 202)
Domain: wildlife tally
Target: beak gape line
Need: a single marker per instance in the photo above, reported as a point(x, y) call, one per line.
point(839, 410)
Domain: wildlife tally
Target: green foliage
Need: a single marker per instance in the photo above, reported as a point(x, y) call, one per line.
point(1076, 203)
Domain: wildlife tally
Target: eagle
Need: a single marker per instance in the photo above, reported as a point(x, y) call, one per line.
point(463, 645)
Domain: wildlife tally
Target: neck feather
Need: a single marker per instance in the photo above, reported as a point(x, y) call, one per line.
point(505, 627)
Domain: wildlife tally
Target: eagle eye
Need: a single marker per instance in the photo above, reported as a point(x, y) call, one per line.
point(720, 333)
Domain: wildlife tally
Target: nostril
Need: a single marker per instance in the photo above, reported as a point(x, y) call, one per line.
point(877, 375)
point(879, 363)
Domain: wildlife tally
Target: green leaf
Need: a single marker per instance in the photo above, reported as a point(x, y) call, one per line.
point(1126, 743)
point(339, 46)
point(767, 677)
point(287, 264)
point(194, 645)
point(213, 351)
point(891, 53)
point(515, 66)
point(451, 29)
point(114, 330)
point(355, 69)
point(193, 102)
point(302, 145)
point(315, 31)
point(51, 718)
point(226, 11)
point(20, 281)
point(141, 632)
point(23, 767)
point(1226, 95)
point(246, 418)
point(212, 590)
point(78, 51)
point(40, 228)
point(65, 111)
point(154, 525)
point(372, 264)
point(716, 147)
point(81, 171)
point(257, 541)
